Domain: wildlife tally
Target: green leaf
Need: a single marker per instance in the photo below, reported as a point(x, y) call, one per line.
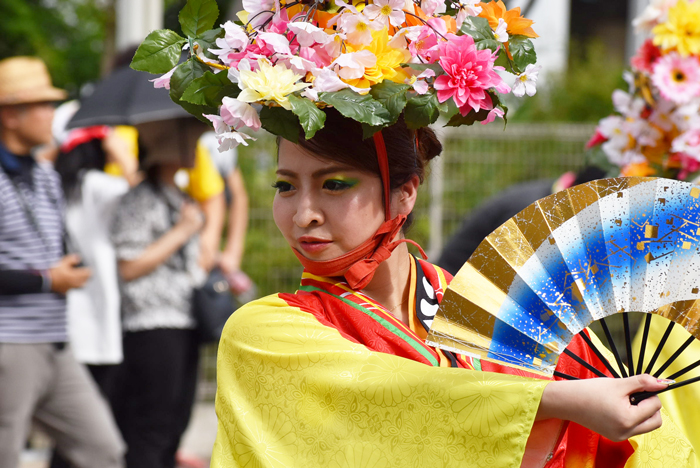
point(210, 89)
point(478, 28)
point(183, 76)
point(491, 44)
point(392, 96)
point(198, 110)
point(279, 121)
point(207, 41)
point(310, 116)
point(422, 111)
point(362, 108)
point(468, 119)
point(198, 16)
point(159, 52)
point(523, 51)
point(368, 131)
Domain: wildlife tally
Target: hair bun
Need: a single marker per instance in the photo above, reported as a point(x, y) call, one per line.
point(429, 146)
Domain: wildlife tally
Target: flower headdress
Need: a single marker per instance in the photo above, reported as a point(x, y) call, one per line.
point(285, 60)
point(656, 128)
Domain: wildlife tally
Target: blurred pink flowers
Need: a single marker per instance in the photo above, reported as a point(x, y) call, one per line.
point(468, 74)
point(677, 77)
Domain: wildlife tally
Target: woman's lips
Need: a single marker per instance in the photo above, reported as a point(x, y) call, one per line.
point(313, 244)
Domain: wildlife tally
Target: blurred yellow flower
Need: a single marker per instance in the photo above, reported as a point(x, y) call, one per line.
point(642, 169)
point(269, 83)
point(389, 60)
point(682, 29)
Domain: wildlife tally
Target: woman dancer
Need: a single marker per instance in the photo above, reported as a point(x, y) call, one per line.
point(338, 373)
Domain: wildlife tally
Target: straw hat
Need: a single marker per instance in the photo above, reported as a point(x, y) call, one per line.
point(25, 80)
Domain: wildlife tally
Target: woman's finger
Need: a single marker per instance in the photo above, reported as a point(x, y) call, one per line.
point(652, 423)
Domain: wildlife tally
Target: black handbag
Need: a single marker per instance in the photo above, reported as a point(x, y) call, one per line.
point(212, 305)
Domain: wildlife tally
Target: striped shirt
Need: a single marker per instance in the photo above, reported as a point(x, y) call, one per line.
point(39, 317)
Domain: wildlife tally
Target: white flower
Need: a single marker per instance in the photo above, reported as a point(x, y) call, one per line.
point(229, 140)
point(326, 80)
point(352, 65)
point(466, 8)
point(501, 31)
point(278, 42)
point(358, 28)
point(164, 80)
point(310, 93)
point(386, 12)
point(260, 11)
point(433, 7)
point(235, 40)
point(655, 13)
point(661, 116)
point(234, 73)
point(239, 114)
point(687, 116)
point(627, 105)
point(219, 125)
point(308, 34)
point(418, 83)
point(526, 81)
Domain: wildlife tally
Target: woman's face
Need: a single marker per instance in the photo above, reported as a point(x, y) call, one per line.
point(324, 209)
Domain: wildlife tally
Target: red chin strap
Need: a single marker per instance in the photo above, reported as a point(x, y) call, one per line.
point(359, 265)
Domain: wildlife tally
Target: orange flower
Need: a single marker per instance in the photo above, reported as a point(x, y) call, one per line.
point(517, 25)
point(642, 169)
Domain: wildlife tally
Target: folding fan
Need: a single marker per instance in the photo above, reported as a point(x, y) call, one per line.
point(607, 247)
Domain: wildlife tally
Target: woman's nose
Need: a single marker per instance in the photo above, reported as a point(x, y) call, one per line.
point(308, 211)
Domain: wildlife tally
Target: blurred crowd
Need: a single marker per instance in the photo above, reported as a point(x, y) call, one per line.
point(106, 233)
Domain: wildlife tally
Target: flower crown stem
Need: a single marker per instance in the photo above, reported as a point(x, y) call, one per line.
point(218, 66)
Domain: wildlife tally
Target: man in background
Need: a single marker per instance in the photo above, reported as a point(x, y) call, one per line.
point(39, 378)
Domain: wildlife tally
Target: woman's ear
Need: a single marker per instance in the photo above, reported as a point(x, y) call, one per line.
point(404, 198)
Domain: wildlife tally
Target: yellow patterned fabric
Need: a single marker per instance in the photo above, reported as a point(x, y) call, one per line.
point(294, 392)
point(676, 402)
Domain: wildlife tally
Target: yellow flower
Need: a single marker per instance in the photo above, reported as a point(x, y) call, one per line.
point(388, 65)
point(269, 84)
point(682, 29)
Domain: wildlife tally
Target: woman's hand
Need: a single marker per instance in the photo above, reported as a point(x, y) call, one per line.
point(191, 219)
point(603, 406)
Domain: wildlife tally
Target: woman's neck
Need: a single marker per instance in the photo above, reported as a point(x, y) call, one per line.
point(390, 284)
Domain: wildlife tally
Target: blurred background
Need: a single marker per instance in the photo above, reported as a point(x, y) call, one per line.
point(583, 47)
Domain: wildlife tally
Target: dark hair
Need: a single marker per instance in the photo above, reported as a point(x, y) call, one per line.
point(342, 140)
point(72, 165)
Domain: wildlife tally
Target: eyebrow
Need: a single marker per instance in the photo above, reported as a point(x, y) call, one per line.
point(319, 173)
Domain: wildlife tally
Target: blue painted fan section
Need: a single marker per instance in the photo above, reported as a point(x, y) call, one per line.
point(641, 212)
point(524, 311)
point(510, 346)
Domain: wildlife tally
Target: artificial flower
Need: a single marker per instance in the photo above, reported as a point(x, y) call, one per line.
point(638, 169)
point(677, 78)
point(469, 73)
point(627, 104)
point(688, 143)
point(646, 56)
point(681, 31)
point(259, 11)
point(425, 44)
point(500, 32)
point(164, 80)
point(271, 83)
point(388, 64)
point(418, 81)
point(466, 8)
point(517, 25)
point(234, 42)
point(307, 34)
point(433, 7)
point(656, 12)
point(230, 140)
point(526, 82)
point(238, 114)
point(358, 28)
point(386, 12)
point(353, 64)
point(493, 113)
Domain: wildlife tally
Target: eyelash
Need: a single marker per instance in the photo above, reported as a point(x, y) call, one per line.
point(335, 185)
point(282, 186)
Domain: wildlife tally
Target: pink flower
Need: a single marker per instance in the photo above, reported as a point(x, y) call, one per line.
point(597, 139)
point(425, 45)
point(239, 114)
point(468, 74)
point(647, 54)
point(677, 77)
point(164, 80)
point(495, 112)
